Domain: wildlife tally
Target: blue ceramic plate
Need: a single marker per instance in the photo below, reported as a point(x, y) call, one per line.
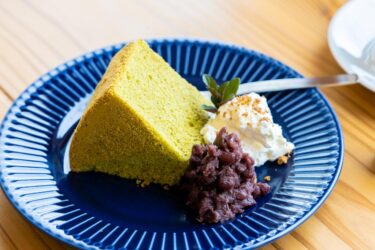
point(97, 211)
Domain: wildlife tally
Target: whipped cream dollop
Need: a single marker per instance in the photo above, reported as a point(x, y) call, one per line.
point(249, 116)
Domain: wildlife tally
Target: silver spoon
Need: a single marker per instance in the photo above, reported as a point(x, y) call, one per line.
point(293, 83)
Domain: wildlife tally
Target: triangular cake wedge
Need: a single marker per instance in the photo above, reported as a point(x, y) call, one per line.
point(141, 121)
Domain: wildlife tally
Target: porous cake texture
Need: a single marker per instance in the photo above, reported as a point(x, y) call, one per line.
point(141, 121)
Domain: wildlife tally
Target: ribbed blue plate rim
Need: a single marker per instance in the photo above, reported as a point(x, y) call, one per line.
point(288, 229)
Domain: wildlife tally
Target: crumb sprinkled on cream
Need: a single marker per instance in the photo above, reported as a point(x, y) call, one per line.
point(250, 117)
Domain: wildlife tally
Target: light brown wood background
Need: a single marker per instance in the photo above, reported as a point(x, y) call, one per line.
point(35, 36)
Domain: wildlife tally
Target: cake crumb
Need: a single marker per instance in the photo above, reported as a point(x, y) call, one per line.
point(142, 183)
point(267, 178)
point(266, 119)
point(282, 160)
point(145, 184)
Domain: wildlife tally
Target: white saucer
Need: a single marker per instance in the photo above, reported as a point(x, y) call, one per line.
point(350, 30)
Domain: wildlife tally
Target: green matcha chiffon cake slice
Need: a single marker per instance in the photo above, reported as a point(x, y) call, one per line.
point(141, 121)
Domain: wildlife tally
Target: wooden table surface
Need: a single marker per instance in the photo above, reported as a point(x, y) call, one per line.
point(35, 36)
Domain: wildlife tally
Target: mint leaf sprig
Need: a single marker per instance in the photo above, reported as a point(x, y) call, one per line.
point(220, 94)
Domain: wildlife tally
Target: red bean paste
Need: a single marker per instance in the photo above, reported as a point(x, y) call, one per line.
point(221, 181)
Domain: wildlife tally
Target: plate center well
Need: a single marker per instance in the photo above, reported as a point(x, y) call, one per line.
point(122, 202)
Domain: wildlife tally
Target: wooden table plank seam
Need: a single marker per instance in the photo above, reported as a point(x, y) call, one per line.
point(58, 25)
point(18, 39)
point(32, 31)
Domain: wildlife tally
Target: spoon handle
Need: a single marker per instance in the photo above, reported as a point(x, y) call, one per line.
point(294, 83)
point(297, 83)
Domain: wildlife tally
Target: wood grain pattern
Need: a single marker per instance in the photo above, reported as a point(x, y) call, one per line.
point(35, 36)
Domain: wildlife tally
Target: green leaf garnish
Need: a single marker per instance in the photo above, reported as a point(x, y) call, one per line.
point(222, 87)
point(211, 85)
point(230, 90)
point(209, 108)
point(220, 94)
point(209, 81)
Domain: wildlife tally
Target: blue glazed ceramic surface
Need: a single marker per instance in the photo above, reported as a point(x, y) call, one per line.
point(97, 211)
